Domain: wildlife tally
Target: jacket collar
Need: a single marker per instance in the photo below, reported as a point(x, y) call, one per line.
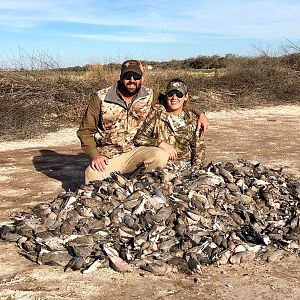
point(164, 115)
point(113, 95)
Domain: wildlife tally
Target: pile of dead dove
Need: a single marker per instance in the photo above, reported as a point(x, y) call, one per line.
point(170, 220)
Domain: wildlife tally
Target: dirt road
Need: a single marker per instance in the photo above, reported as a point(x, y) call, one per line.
point(38, 170)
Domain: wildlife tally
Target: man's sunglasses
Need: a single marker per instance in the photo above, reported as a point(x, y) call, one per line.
point(136, 76)
point(177, 93)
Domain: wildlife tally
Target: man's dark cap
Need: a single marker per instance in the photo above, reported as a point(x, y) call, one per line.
point(132, 65)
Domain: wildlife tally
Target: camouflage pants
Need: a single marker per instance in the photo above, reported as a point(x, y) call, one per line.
point(152, 157)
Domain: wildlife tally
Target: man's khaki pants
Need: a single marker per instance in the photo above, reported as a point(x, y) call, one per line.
point(152, 157)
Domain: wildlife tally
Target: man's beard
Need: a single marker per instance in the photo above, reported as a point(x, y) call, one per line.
point(129, 91)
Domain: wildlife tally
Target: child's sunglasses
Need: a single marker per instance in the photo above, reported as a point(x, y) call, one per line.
point(177, 93)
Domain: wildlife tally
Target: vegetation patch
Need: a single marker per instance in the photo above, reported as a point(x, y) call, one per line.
point(37, 101)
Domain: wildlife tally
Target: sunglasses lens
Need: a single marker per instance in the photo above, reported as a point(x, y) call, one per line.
point(177, 93)
point(136, 76)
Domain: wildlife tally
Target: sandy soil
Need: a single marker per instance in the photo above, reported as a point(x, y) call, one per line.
point(38, 170)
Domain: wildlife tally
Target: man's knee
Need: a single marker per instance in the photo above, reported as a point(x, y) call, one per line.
point(159, 158)
point(90, 175)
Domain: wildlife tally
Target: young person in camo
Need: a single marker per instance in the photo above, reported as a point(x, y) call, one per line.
point(172, 128)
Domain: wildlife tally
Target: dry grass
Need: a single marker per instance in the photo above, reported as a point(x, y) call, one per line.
point(39, 101)
point(32, 103)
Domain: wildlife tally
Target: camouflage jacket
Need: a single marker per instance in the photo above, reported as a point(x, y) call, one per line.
point(159, 127)
point(109, 124)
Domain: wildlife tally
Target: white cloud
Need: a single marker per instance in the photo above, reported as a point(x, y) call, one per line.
point(145, 38)
point(166, 20)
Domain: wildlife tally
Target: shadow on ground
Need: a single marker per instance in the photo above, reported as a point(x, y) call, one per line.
point(67, 168)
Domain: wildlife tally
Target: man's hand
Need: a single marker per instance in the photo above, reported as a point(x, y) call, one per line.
point(99, 163)
point(169, 148)
point(202, 123)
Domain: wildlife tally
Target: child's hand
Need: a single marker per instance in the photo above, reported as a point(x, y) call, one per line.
point(169, 148)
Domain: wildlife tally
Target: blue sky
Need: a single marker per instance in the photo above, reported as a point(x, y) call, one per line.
point(79, 32)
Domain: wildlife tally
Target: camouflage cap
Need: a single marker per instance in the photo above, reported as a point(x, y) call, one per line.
point(132, 65)
point(176, 85)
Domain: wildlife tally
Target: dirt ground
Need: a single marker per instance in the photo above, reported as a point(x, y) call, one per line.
point(38, 170)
